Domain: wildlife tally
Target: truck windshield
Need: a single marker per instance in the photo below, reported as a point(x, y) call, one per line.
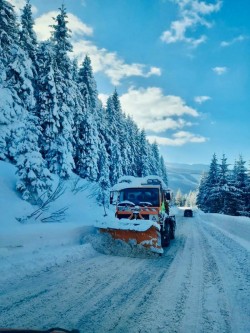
point(137, 195)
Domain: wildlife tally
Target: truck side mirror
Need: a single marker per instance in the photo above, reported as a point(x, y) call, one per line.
point(167, 196)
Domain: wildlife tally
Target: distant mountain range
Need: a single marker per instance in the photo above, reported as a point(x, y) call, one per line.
point(185, 177)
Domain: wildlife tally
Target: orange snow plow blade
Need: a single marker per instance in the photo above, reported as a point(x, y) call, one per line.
point(150, 239)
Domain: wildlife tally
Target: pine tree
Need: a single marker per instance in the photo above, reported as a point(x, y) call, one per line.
point(87, 164)
point(202, 194)
point(114, 153)
point(179, 198)
point(11, 108)
point(47, 102)
point(103, 157)
point(8, 30)
point(120, 124)
point(231, 196)
point(224, 186)
point(163, 170)
point(191, 199)
point(35, 180)
point(19, 78)
point(86, 76)
point(155, 159)
point(247, 210)
point(143, 157)
point(212, 181)
point(61, 40)
point(103, 177)
point(134, 137)
point(241, 184)
point(208, 198)
point(28, 39)
point(60, 158)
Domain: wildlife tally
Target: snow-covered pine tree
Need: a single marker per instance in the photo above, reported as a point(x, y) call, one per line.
point(75, 70)
point(103, 177)
point(47, 103)
point(143, 157)
point(62, 162)
point(155, 164)
point(247, 210)
point(35, 180)
point(212, 180)
point(223, 185)
point(179, 199)
point(163, 170)
point(113, 148)
point(231, 196)
point(86, 76)
point(61, 40)
point(87, 166)
point(11, 110)
point(191, 199)
point(202, 194)
point(241, 184)
point(19, 79)
point(28, 39)
point(120, 124)
point(103, 158)
point(133, 142)
point(88, 146)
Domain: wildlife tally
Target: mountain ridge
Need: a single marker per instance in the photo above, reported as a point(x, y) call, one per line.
point(185, 177)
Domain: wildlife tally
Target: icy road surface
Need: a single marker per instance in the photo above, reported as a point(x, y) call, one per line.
point(200, 284)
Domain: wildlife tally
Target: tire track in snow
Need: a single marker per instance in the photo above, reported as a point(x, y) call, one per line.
point(184, 291)
point(235, 271)
point(215, 310)
point(126, 306)
point(151, 313)
point(237, 255)
point(58, 295)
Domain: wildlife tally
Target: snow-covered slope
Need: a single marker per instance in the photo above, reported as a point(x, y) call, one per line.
point(32, 245)
point(185, 177)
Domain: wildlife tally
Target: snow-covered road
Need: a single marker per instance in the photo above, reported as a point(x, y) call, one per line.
point(200, 284)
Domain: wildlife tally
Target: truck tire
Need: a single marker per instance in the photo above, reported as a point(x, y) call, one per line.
point(165, 235)
point(172, 229)
point(172, 233)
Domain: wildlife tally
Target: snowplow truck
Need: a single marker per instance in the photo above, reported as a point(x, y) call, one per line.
point(142, 213)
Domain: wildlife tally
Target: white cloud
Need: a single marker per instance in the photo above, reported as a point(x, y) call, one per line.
point(240, 38)
point(205, 8)
point(201, 99)
point(77, 27)
point(154, 111)
point(220, 70)
point(102, 60)
point(103, 98)
point(192, 15)
point(110, 63)
point(178, 139)
point(19, 4)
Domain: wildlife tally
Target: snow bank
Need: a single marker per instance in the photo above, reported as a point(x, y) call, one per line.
point(234, 227)
point(29, 246)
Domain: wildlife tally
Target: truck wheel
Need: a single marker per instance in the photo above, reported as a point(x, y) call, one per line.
point(172, 235)
point(165, 236)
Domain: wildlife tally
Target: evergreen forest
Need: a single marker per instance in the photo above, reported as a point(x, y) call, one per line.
point(224, 190)
point(51, 120)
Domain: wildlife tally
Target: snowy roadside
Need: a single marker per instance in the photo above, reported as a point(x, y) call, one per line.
point(33, 246)
point(236, 228)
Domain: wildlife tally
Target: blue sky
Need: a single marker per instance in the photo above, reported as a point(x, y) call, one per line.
point(181, 67)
